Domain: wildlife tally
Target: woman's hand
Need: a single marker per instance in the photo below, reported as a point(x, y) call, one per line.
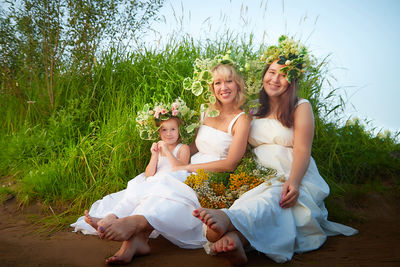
point(290, 194)
point(180, 168)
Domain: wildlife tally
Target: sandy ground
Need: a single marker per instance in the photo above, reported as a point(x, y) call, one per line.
point(377, 244)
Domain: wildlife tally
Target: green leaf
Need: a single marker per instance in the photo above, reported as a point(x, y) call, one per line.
point(191, 127)
point(282, 60)
point(207, 77)
point(197, 89)
point(207, 95)
point(212, 99)
point(187, 83)
point(204, 107)
point(213, 113)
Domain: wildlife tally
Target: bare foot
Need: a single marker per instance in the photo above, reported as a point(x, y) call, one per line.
point(135, 246)
point(218, 223)
point(91, 220)
point(105, 223)
point(231, 247)
point(124, 228)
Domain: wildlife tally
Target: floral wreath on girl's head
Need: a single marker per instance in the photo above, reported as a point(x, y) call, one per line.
point(199, 83)
point(148, 117)
point(290, 53)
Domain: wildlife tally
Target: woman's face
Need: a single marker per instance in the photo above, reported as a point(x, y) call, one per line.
point(274, 82)
point(169, 131)
point(225, 88)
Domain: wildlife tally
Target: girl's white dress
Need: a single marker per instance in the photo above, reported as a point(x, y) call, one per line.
point(164, 199)
point(270, 229)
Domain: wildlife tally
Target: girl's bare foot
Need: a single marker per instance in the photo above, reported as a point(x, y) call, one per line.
point(136, 245)
point(231, 247)
point(124, 228)
point(218, 223)
point(91, 220)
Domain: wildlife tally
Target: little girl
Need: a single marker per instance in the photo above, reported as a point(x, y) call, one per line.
point(165, 155)
point(168, 152)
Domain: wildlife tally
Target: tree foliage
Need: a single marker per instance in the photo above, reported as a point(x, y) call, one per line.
point(41, 38)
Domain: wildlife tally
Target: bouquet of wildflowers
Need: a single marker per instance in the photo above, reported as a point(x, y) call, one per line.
point(220, 190)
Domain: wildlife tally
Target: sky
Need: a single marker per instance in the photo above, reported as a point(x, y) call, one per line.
point(362, 38)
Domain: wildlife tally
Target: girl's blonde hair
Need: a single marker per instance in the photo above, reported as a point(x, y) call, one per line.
point(228, 71)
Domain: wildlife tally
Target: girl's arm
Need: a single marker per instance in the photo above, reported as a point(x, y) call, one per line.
point(303, 131)
point(236, 151)
point(182, 157)
point(152, 165)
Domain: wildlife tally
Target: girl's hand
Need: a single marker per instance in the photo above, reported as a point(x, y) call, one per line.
point(162, 146)
point(154, 149)
point(290, 194)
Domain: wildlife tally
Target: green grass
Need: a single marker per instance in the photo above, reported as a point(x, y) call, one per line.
point(87, 146)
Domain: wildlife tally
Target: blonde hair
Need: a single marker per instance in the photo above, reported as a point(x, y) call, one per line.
point(227, 71)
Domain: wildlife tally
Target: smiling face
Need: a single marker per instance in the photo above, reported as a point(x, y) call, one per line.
point(275, 82)
point(224, 86)
point(169, 131)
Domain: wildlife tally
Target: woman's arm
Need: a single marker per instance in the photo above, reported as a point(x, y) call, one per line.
point(236, 151)
point(303, 131)
point(192, 146)
point(152, 165)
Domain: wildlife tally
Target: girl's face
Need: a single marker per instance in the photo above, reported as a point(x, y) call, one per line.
point(225, 88)
point(169, 131)
point(274, 82)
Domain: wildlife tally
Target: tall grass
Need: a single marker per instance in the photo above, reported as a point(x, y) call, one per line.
point(88, 146)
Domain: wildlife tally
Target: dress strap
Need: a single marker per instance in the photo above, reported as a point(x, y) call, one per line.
point(176, 149)
point(233, 122)
point(301, 101)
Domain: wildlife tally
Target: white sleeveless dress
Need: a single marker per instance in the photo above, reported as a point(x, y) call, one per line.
point(278, 232)
point(164, 199)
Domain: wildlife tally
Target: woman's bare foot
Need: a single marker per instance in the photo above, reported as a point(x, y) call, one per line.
point(91, 220)
point(105, 223)
point(124, 228)
point(135, 246)
point(218, 223)
point(231, 247)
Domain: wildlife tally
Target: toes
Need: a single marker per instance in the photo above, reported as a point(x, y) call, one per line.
point(202, 213)
point(196, 213)
point(225, 243)
point(199, 213)
point(115, 260)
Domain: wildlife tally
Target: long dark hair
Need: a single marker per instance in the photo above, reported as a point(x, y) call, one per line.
point(288, 101)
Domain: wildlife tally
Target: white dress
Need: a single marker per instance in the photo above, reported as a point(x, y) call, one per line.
point(278, 232)
point(164, 199)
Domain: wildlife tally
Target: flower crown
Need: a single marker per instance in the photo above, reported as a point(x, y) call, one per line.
point(202, 78)
point(290, 53)
point(148, 117)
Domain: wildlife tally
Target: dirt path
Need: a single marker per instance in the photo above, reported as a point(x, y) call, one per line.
point(377, 244)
